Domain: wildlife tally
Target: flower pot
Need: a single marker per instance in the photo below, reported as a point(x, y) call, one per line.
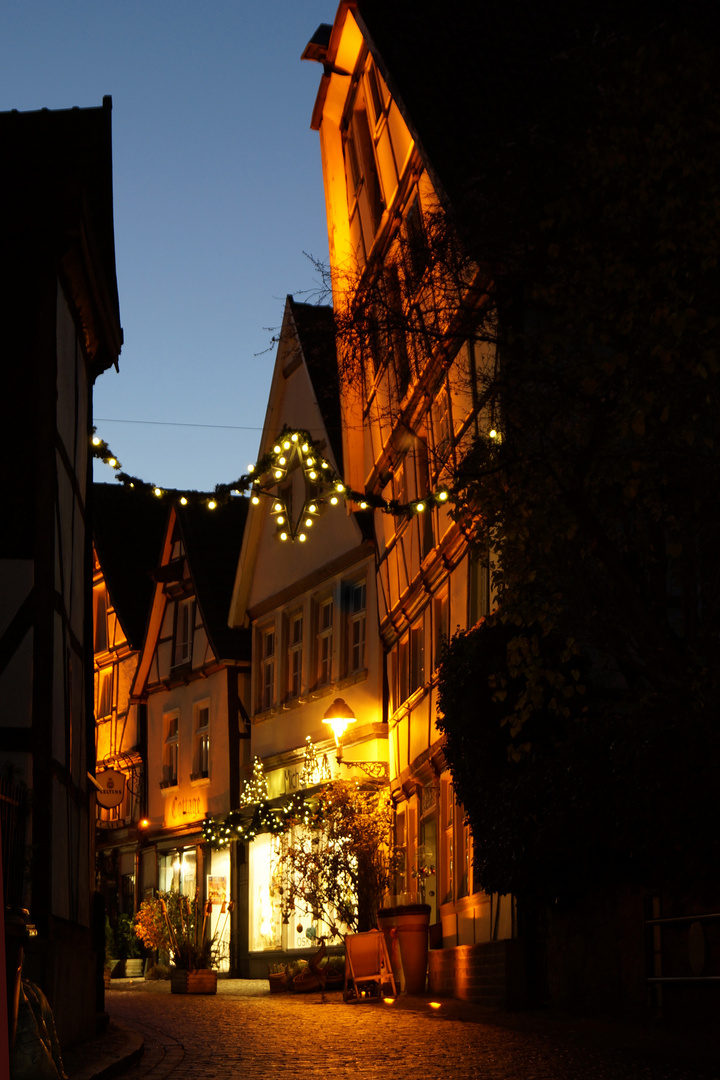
point(406, 935)
point(279, 981)
point(203, 981)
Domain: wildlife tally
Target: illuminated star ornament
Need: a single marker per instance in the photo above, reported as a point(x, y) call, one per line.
point(292, 449)
point(322, 487)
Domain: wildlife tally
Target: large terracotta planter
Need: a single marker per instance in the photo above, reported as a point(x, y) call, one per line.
point(406, 934)
point(203, 981)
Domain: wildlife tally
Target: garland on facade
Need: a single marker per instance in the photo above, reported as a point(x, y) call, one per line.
point(257, 815)
point(324, 488)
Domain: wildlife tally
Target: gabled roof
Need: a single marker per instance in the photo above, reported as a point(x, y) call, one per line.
point(57, 197)
point(316, 333)
point(128, 528)
point(212, 541)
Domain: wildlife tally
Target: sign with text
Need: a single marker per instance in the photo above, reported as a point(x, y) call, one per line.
point(111, 788)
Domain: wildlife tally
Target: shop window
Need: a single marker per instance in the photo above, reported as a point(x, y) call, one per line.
point(266, 696)
point(177, 871)
point(201, 741)
point(356, 622)
point(295, 655)
point(100, 618)
point(104, 693)
point(182, 653)
point(170, 749)
point(324, 641)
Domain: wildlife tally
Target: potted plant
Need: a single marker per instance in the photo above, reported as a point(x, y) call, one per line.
point(178, 926)
point(129, 948)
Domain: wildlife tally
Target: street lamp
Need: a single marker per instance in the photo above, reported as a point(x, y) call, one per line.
point(338, 716)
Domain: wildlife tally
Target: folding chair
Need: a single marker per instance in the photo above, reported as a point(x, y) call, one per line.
point(366, 960)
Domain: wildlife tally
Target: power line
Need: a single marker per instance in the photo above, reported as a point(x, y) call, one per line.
point(174, 423)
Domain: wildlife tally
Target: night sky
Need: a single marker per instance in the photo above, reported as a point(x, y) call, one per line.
point(218, 195)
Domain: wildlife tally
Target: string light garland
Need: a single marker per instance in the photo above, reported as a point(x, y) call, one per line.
point(293, 448)
point(257, 814)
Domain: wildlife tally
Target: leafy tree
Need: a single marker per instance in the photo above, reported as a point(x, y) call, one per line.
point(581, 717)
point(337, 866)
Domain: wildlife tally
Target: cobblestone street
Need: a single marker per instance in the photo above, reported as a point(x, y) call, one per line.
point(247, 1033)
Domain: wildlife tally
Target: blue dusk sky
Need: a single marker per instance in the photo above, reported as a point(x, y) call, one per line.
point(218, 194)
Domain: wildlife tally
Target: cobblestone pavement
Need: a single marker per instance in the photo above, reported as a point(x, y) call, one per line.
point(245, 1032)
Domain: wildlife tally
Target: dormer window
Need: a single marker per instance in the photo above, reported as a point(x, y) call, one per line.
point(182, 653)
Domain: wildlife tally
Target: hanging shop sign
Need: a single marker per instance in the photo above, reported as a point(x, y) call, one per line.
point(110, 788)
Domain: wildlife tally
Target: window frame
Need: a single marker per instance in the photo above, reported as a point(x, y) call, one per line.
point(295, 654)
point(171, 749)
point(201, 741)
point(266, 666)
point(324, 634)
point(184, 634)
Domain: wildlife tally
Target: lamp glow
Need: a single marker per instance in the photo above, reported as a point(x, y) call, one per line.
point(420, 507)
point(212, 504)
point(278, 474)
point(442, 496)
point(254, 500)
point(334, 500)
point(96, 441)
point(339, 486)
point(339, 716)
point(112, 462)
point(158, 492)
point(276, 449)
point(286, 445)
point(183, 501)
point(280, 520)
point(294, 437)
point(312, 474)
point(302, 537)
point(283, 536)
point(492, 433)
point(281, 461)
point(277, 507)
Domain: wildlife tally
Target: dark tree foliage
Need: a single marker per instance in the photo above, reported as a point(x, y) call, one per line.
point(582, 716)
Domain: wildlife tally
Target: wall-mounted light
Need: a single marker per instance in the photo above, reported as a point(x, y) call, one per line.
point(339, 716)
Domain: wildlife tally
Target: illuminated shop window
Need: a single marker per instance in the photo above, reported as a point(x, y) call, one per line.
point(177, 871)
point(265, 897)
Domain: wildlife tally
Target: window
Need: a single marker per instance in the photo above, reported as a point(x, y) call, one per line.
point(267, 668)
point(177, 872)
point(324, 641)
point(170, 749)
point(417, 654)
point(295, 655)
point(201, 742)
point(104, 693)
point(441, 625)
point(356, 627)
point(479, 588)
point(183, 633)
point(100, 619)
point(441, 430)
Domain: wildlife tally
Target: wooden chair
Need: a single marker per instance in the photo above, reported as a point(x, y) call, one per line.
point(366, 961)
